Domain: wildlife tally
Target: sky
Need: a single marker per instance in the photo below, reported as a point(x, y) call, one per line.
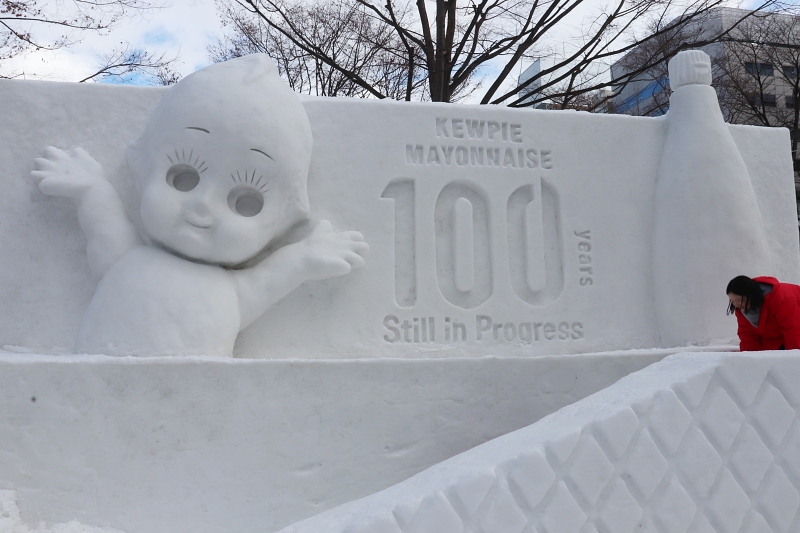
point(183, 29)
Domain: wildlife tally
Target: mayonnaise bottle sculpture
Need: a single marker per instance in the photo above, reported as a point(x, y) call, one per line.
point(708, 227)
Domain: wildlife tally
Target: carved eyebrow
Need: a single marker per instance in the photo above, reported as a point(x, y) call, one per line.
point(198, 129)
point(261, 152)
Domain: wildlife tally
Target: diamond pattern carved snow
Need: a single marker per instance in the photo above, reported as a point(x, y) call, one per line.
point(674, 510)
point(474, 490)
point(669, 420)
point(728, 503)
point(646, 467)
point(591, 470)
point(617, 431)
point(792, 460)
point(722, 419)
point(563, 515)
point(779, 499)
point(534, 476)
point(702, 525)
point(751, 458)
point(621, 511)
point(436, 514)
point(680, 447)
point(699, 462)
point(503, 515)
point(756, 524)
point(773, 414)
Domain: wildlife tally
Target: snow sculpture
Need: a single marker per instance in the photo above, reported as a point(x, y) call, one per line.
point(492, 230)
point(221, 168)
point(695, 443)
point(708, 227)
point(11, 521)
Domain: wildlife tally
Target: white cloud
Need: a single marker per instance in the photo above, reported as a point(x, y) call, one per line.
point(185, 28)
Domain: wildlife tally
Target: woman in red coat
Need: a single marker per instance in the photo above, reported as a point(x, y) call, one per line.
point(768, 313)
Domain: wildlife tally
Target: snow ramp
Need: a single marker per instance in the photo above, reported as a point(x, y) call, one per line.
point(697, 443)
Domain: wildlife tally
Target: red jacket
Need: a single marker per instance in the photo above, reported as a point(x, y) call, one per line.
point(779, 322)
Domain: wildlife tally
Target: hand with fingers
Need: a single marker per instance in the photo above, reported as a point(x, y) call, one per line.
point(68, 174)
point(101, 214)
point(326, 254)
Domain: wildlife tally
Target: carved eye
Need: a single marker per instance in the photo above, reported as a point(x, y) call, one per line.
point(245, 201)
point(182, 177)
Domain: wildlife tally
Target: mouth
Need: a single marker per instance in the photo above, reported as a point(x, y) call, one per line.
point(198, 226)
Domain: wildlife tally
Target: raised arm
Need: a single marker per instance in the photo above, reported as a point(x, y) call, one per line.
point(76, 175)
point(323, 254)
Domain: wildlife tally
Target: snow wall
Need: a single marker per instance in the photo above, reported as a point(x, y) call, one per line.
point(203, 445)
point(491, 230)
point(696, 443)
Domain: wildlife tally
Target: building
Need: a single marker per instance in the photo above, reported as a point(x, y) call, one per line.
point(756, 60)
point(749, 66)
point(551, 96)
point(532, 92)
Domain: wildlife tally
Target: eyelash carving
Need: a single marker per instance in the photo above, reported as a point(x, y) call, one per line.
point(191, 160)
point(250, 179)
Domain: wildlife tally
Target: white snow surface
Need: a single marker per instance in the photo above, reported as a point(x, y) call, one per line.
point(697, 442)
point(10, 521)
point(205, 444)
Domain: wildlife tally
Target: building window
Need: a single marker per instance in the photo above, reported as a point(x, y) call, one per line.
point(648, 93)
point(758, 100)
point(790, 72)
point(759, 69)
point(790, 102)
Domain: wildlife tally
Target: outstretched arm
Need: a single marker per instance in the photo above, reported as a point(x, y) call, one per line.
point(323, 254)
point(749, 339)
point(76, 175)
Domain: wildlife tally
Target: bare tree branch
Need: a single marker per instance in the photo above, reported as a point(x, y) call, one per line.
point(402, 49)
point(75, 17)
point(121, 65)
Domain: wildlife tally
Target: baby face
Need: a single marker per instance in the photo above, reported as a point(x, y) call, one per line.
point(215, 194)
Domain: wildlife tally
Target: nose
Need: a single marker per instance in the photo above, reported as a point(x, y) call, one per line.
point(197, 207)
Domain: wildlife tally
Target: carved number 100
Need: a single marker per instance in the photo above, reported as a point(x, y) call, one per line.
point(463, 244)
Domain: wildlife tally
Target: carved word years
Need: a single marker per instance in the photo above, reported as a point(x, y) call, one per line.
point(584, 257)
point(480, 156)
point(424, 329)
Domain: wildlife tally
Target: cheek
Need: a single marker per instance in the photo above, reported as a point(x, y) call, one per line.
point(278, 216)
point(159, 210)
point(239, 229)
point(238, 239)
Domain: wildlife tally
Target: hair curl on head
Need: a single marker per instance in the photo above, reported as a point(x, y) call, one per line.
point(748, 289)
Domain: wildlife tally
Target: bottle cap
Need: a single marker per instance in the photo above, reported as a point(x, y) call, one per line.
point(690, 67)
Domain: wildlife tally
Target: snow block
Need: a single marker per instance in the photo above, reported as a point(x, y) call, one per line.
point(203, 445)
point(695, 443)
point(491, 230)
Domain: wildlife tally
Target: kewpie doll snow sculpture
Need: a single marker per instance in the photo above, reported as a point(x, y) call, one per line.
point(221, 168)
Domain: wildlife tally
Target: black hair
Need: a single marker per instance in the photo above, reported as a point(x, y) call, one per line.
point(748, 289)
